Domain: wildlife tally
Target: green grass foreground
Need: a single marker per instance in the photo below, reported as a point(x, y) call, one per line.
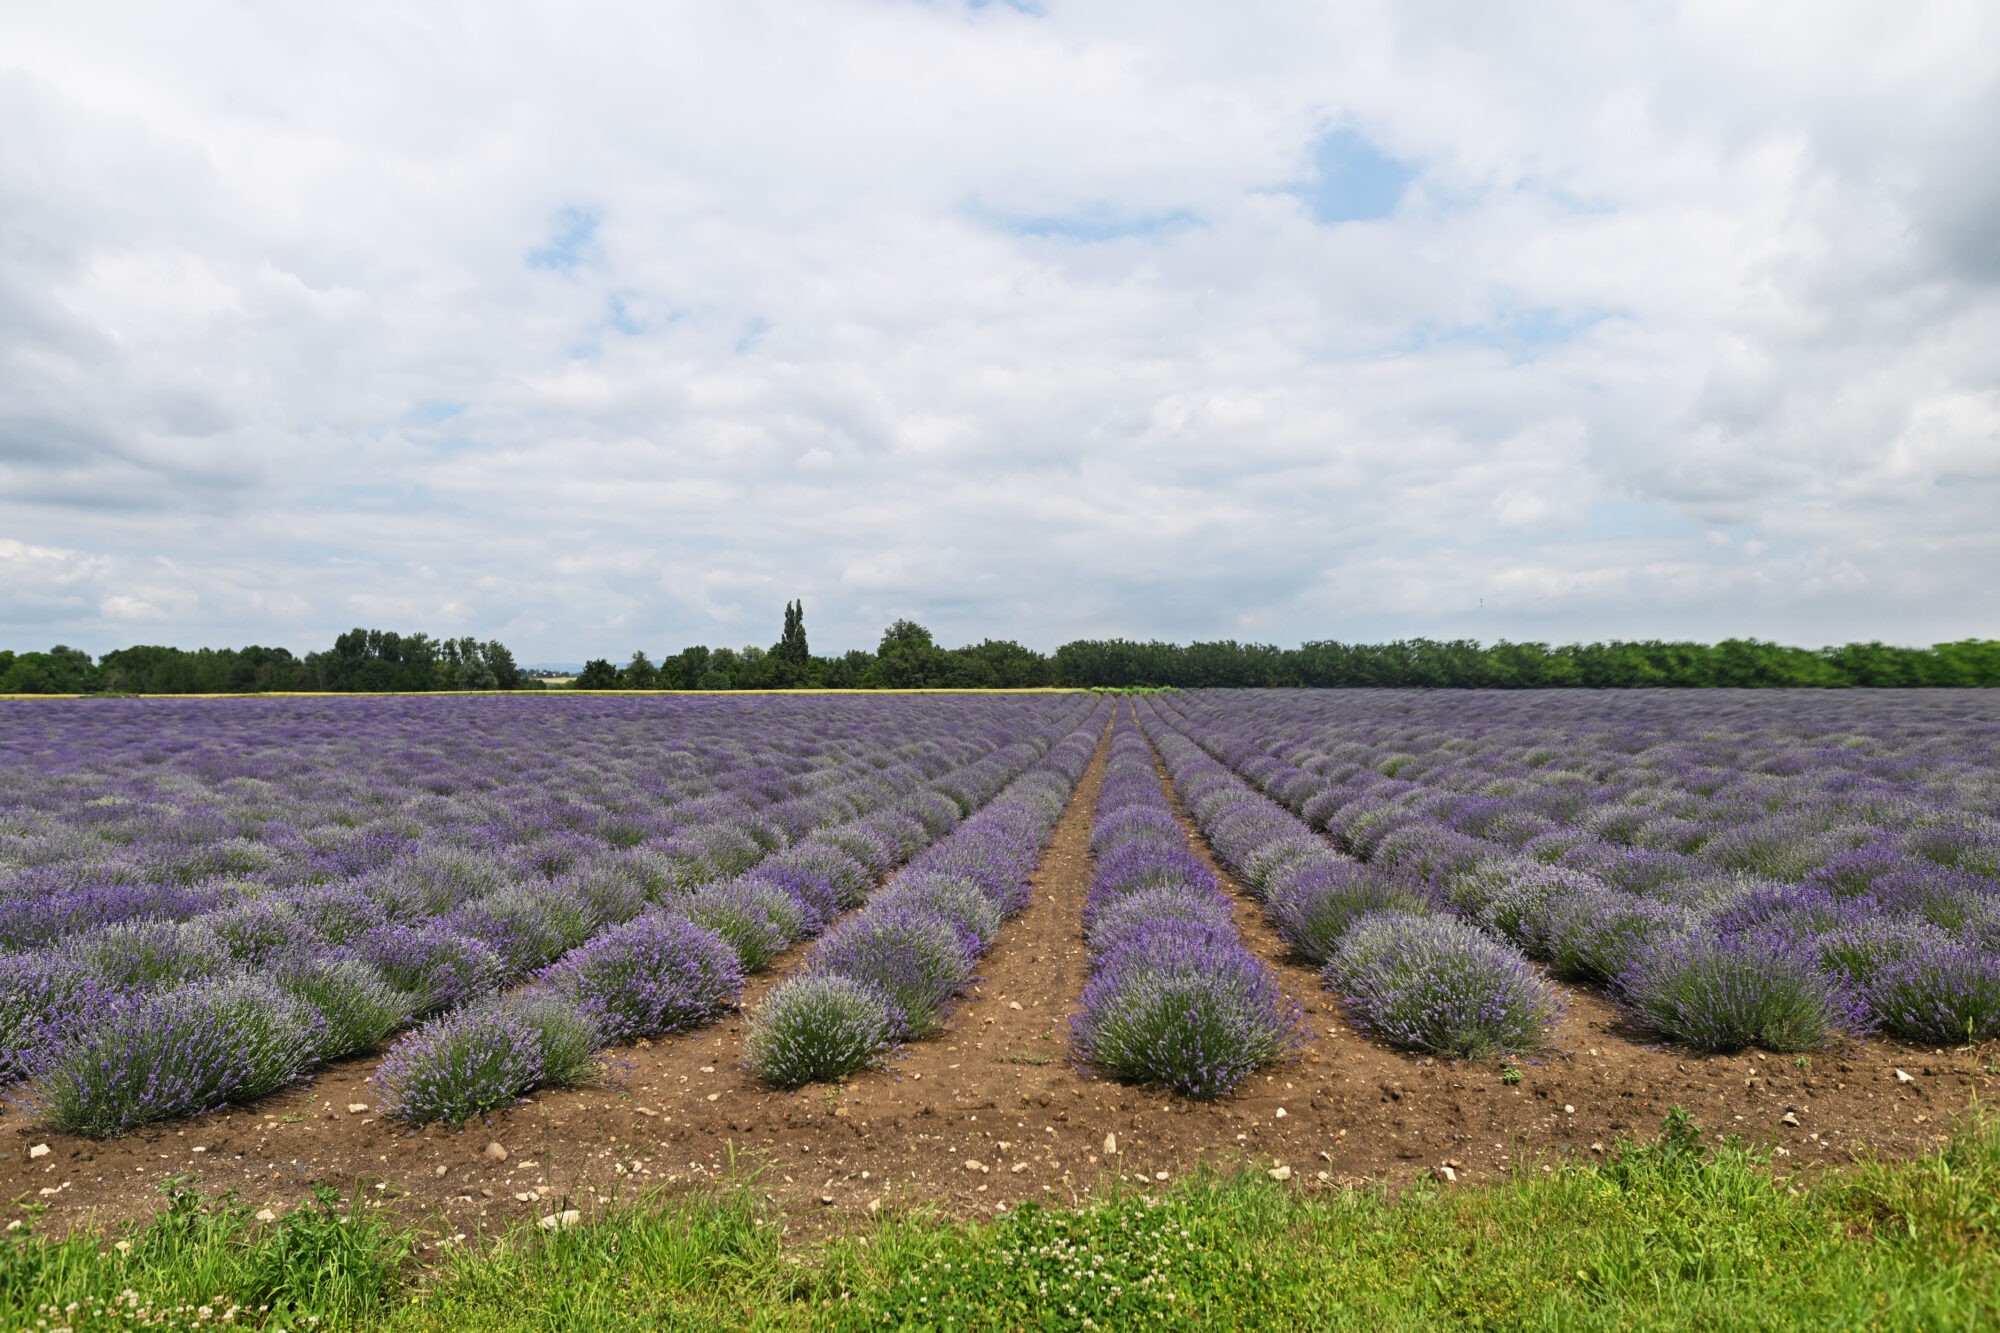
point(1666, 1234)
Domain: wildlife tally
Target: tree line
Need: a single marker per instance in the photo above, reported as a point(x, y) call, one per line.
point(360, 661)
point(908, 657)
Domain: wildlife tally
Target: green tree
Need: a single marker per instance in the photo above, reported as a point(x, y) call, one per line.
point(791, 647)
point(639, 673)
point(908, 659)
point(598, 674)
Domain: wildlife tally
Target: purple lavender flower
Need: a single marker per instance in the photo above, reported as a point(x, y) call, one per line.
point(1141, 910)
point(45, 998)
point(756, 918)
point(815, 1029)
point(1317, 904)
point(1439, 985)
point(356, 1007)
point(1184, 1006)
point(457, 1066)
point(178, 1053)
point(1941, 995)
point(657, 973)
point(911, 955)
point(438, 967)
point(1722, 993)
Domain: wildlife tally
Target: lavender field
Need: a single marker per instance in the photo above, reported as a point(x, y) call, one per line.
point(1774, 869)
point(204, 902)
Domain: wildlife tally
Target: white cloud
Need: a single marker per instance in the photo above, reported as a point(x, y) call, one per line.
point(270, 310)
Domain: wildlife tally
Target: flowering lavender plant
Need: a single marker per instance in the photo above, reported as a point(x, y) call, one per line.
point(178, 1053)
point(153, 954)
point(1722, 993)
point(657, 973)
point(44, 997)
point(1949, 994)
point(755, 917)
point(1185, 1006)
point(438, 967)
point(357, 1008)
point(817, 1028)
point(1439, 985)
point(910, 955)
point(1138, 912)
point(455, 1067)
point(1313, 907)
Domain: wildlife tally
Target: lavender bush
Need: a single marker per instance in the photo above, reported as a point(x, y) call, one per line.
point(911, 956)
point(1946, 995)
point(1722, 993)
point(460, 1065)
point(357, 1009)
point(757, 919)
point(1438, 985)
point(178, 1053)
point(1317, 904)
point(658, 973)
point(44, 998)
point(817, 1028)
point(437, 967)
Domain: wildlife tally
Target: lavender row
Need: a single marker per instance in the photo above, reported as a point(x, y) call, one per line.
point(1768, 870)
point(159, 810)
point(1407, 974)
point(673, 967)
point(1174, 997)
point(105, 1019)
point(886, 975)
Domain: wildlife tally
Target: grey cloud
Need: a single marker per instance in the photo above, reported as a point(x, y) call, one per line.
point(240, 267)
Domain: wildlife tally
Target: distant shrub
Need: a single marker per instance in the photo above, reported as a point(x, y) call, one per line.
point(260, 932)
point(828, 879)
point(1522, 899)
point(1439, 985)
point(816, 1028)
point(178, 1053)
point(1722, 993)
point(337, 914)
point(528, 926)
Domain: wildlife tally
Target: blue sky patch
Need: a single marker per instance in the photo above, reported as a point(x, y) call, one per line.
point(1521, 331)
point(570, 237)
point(1353, 180)
point(432, 411)
point(1090, 224)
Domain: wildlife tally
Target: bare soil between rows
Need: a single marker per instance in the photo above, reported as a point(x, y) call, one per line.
point(993, 1111)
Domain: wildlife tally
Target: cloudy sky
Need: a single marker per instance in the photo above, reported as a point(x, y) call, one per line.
point(595, 328)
